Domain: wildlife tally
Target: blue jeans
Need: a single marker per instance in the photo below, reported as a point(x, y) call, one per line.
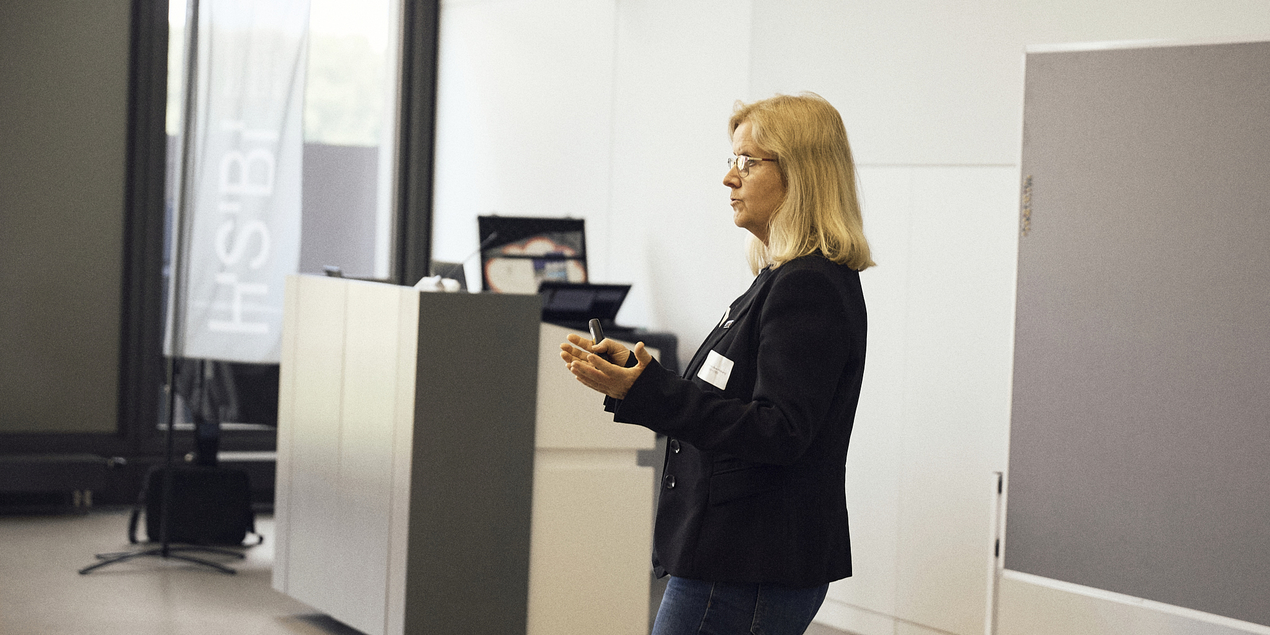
point(693, 607)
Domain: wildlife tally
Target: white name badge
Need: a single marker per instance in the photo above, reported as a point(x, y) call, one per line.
point(716, 370)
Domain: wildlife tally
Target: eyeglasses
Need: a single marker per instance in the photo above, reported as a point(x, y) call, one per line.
point(742, 163)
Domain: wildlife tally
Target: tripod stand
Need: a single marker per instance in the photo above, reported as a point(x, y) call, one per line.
point(166, 550)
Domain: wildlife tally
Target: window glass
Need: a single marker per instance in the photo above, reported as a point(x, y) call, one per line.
point(348, 161)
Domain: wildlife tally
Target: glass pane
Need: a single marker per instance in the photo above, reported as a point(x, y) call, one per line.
point(349, 154)
point(350, 133)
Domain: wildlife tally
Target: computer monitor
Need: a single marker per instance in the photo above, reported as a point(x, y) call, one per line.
point(451, 270)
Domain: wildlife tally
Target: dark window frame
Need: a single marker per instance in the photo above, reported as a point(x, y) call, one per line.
point(142, 367)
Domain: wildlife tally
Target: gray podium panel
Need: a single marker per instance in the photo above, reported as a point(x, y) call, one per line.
point(1140, 431)
point(405, 477)
point(473, 467)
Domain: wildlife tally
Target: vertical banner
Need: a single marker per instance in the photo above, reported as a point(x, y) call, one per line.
point(242, 228)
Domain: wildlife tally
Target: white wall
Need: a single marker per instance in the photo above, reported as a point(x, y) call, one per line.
point(616, 112)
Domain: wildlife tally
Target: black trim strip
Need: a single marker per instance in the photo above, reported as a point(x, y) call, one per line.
point(419, 44)
point(140, 350)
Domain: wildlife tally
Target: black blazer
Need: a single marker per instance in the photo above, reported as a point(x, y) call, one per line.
point(754, 483)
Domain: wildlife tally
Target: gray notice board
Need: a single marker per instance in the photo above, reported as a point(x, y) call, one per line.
point(1140, 429)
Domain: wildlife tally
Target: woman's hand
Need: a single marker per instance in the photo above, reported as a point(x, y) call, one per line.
point(615, 352)
point(583, 358)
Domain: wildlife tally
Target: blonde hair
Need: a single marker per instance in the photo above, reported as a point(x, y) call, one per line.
point(821, 210)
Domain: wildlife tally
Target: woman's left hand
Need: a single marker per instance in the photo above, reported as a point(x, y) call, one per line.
point(601, 375)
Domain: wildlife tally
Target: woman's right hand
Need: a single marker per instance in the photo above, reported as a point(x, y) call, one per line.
point(578, 347)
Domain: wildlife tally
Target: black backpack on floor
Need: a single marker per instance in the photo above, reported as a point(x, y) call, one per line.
point(210, 506)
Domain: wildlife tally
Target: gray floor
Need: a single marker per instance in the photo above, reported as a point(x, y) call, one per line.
point(42, 593)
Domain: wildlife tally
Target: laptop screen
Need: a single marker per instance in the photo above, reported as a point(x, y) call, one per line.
point(576, 303)
point(518, 253)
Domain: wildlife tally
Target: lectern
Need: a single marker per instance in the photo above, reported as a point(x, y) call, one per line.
point(440, 472)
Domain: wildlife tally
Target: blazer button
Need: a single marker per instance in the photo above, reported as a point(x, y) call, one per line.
point(674, 446)
point(670, 481)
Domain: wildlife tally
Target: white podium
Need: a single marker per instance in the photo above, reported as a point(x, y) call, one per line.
point(440, 472)
point(592, 510)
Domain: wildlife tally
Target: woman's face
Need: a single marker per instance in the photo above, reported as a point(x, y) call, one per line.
point(755, 196)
